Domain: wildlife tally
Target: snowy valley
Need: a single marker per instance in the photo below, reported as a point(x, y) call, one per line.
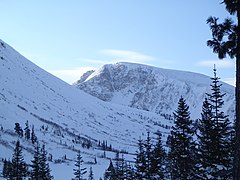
point(117, 104)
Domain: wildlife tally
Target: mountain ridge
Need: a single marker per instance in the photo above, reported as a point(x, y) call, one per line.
point(61, 114)
point(66, 118)
point(151, 88)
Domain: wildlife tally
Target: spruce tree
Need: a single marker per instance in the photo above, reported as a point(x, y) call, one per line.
point(205, 135)
point(122, 169)
point(182, 146)
point(27, 131)
point(110, 173)
point(140, 161)
point(36, 170)
point(18, 170)
point(129, 172)
point(221, 133)
point(226, 41)
point(44, 166)
point(119, 166)
point(159, 157)
point(118, 169)
point(79, 171)
point(33, 136)
point(7, 168)
point(18, 130)
point(148, 157)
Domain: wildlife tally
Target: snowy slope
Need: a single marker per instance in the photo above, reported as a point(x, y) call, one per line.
point(60, 112)
point(150, 88)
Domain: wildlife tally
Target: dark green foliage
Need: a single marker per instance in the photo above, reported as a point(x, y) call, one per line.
point(149, 162)
point(79, 171)
point(140, 161)
point(220, 32)
point(119, 166)
point(182, 147)
point(18, 166)
point(27, 131)
point(33, 136)
point(18, 130)
point(110, 173)
point(44, 166)
point(159, 158)
point(122, 168)
point(121, 171)
point(148, 156)
point(36, 172)
point(117, 163)
point(205, 136)
point(215, 140)
point(129, 172)
point(231, 6)
point(104, 145)
point(226, 41)
point(7, 168)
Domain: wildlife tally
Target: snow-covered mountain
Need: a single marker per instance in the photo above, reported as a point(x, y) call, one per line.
point(65, 118)
point(61, 113)
point(150, 88)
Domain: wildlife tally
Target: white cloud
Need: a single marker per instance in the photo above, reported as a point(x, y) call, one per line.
point(97, 61)
point(130, 56)
point(218, 63)
point(70, 75)
point(114, 56)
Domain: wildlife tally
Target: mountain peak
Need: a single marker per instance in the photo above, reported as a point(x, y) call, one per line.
point(150, 88)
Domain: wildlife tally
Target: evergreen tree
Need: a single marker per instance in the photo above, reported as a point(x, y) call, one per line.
point(79, 171)
point(44, 166)
point(221, 134)
point(226, 41)
point(18, 170)
point(129, 172)
point(27, 131)
point(148, 157)
point(122, 169)
point(110, 173)
point(33, 136)
point(18, 130)
point(159, 156)
point(182, 146)
point(205, 136)
point(140, 162)
point(118, 165)
point(36, 172)
point(7, 168)
point(90, 177)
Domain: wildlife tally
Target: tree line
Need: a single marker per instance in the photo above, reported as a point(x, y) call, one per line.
point(18, 169)
point(194, 150)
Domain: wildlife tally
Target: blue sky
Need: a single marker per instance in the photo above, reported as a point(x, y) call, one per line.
point(67, 38)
